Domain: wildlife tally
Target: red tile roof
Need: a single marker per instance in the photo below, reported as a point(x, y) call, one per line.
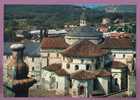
point(84, 48)
point(116, 43)
point(57, 69)
point(83, 75)
point(89, 75)
point(103, 73)
point(118, 65)
point(61, 72)
point(53, 43)
point(120, 35)
point(53, 67)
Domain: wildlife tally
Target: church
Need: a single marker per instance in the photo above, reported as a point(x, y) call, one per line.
point(84, 63)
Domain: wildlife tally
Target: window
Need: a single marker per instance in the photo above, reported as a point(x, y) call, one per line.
point(134, 56)
point(32, 59)
point(48, 54)
point(82, 61)
point(95, 85)
point(57, 54)
point(70, 60)
point(114, 55)
point(87, 66)
point(70, 82)
point(81, 90)
point(68, 66)
point(97, 66)
point(123, 55)
point(33, 68)
point(92, 60)
point(52, 82)
point(76, 67)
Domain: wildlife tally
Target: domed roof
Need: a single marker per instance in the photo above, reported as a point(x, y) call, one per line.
point(84, 31)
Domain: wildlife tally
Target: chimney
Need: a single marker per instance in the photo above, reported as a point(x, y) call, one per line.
point(17, 55)
point(17, 51)
point(45, 32)
point(41, 34)
point(17, 81)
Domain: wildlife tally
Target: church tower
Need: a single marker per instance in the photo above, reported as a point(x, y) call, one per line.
point(83, 18)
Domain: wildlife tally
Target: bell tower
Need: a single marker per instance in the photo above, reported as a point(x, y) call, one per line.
point(83, 21)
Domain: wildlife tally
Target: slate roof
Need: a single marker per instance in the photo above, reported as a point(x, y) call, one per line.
point(31, 48)
point(84, 31)
point(54, 43)
point(84, 48)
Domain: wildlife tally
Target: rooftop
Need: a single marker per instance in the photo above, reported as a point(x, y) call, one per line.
point(57, 69)
point(84, 48)
point(84, 31)
point(116, 65)
point(53, 43)
point(29, 46)
point(88, 75)
point(116, 43)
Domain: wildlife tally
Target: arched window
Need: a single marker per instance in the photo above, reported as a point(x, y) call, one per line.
point(33, 68)
point(81, 90)
point(32, 59)
point(123, 55)
point(82, 60)
point(87, 66)
point(76, 67)
point(57, 54)
point(48, 54)
point(52, 82)
point(68, 66)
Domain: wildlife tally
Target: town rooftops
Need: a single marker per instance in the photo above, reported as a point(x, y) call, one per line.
point(84, 48)
point(116, 43)
point(89, 75)
point(53, 43)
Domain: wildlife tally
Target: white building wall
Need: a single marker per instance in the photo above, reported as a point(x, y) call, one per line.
point(104, 83)
point(124, 56)
point(60, 80)
point(76, 84)
point(88, 84)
